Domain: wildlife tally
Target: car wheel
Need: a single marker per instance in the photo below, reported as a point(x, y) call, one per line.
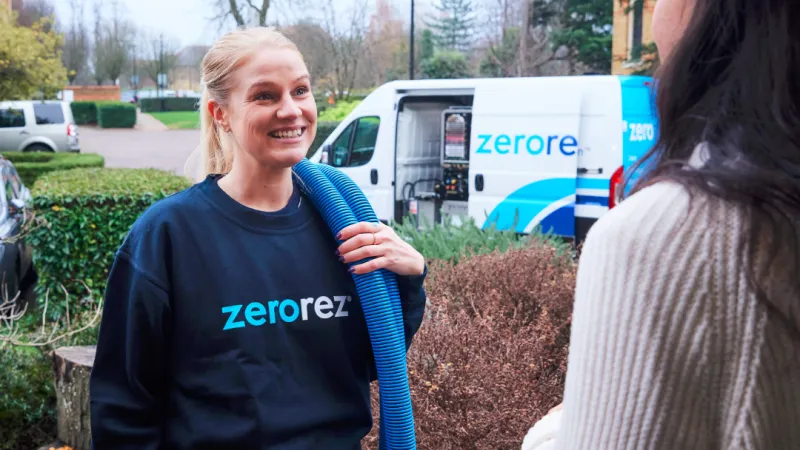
point(38, 148)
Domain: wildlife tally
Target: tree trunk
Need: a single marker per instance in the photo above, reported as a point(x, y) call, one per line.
point(73, 367)
point(522, 57)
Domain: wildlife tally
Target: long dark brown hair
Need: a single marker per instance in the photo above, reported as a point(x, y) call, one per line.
point(732, 82)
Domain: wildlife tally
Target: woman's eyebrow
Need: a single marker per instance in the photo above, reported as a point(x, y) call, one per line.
point(266, 83)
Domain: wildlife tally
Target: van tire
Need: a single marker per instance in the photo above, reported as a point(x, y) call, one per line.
point(38, 148)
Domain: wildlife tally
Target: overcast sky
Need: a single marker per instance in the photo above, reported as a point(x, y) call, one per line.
point(190, 20)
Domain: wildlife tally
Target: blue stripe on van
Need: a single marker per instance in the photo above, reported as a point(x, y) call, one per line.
point(560, 222)
point(591, 200)
point(593, 183)
point(524, 204)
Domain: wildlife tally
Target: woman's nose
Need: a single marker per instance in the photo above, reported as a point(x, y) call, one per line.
point(289, 109)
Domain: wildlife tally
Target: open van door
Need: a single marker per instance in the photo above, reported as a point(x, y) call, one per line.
point(523, 155)
point(364, 151)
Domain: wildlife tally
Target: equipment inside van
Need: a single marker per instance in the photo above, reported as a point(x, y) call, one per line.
point(510, 153)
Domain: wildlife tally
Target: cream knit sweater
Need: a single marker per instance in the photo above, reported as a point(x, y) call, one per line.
point(670, 348)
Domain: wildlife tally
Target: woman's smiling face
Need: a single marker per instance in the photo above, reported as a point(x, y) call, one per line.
point(271, 111)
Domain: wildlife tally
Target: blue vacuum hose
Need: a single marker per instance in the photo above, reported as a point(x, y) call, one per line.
point(341, 204)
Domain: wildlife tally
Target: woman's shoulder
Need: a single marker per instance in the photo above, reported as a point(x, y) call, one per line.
point(665, 211)
point(165, 214)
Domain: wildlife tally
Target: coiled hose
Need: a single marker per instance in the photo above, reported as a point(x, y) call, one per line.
point(342, 203)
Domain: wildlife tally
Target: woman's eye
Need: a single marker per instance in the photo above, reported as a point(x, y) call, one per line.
point(262, 96)
point(301, 91)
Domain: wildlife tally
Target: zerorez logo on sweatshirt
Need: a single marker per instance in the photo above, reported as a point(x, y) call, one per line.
point(257, 314)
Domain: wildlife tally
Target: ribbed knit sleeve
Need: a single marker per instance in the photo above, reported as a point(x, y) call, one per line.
point(669, 347)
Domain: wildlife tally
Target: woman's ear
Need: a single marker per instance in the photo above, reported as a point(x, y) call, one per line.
point(219, 114)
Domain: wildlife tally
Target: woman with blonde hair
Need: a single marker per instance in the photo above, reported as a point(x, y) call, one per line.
point(230, 318)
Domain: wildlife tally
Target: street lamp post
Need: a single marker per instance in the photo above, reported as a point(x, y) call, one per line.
point(411, 50)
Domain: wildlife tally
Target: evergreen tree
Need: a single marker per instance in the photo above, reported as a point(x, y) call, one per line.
point(453, 26)
point(587, 32)
point(426, 45)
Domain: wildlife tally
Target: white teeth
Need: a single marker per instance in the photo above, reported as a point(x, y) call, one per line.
point(288, 134)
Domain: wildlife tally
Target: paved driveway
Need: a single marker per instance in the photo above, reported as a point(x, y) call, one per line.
point(167, 150)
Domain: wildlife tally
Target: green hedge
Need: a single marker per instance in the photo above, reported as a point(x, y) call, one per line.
point(83, 216)
point(120, 115)
point(170, 104)
point(84, 113)
point(324, 129)
point(32, 165)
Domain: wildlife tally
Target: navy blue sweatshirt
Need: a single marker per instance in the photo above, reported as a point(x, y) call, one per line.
point(225, 327)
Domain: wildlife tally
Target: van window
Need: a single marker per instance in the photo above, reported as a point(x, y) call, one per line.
point(341, 147)
point(357, 143)
point(48, 113)
point(12, 118)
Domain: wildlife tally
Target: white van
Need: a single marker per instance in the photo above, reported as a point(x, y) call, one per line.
point(507, 152)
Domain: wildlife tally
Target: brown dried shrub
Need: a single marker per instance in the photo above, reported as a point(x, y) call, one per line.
point(491, 356)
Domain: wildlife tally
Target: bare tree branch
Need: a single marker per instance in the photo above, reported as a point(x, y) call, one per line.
point(234, 11)
point(75, 55)
point(230, 9)
point(10, 315)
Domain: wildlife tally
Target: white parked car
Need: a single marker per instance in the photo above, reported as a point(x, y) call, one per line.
point(35, 125)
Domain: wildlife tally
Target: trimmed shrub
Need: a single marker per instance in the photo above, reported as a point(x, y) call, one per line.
point(170, 104)
point(32, 165)
point(31, 157)
point(84, 113)
point(83, 215)
point(452, 242)
point(491, 355)
point(118, 115)
point(324, 129)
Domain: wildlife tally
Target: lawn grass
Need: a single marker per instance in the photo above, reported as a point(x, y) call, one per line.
point(179, 120)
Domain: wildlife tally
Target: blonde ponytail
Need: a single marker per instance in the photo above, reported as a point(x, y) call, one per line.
point(214, 155)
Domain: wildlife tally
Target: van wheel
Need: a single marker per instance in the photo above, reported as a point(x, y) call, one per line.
point(38, 148)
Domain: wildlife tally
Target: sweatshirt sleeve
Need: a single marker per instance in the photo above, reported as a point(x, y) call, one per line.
point(127, 381)
point(412, 301)
point(642, 342)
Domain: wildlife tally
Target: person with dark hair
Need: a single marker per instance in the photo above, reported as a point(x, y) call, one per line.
point(686, 327)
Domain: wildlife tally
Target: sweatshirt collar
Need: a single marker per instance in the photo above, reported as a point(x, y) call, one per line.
point(295, 214)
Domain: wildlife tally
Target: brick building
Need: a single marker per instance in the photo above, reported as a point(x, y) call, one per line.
point(631, 33)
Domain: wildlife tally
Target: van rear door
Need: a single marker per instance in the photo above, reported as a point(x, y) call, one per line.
point(523, 155)
point(364, 150)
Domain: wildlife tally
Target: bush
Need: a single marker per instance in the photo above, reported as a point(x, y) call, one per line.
point(83, 216)
point(446, 64)
point(170, 104)
point(32, 165)
point(452, 242)
point(324, 129)
point(491, 355)
point(118, 115)
point(339, 111)
point(27, 399)
point(84, 113)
